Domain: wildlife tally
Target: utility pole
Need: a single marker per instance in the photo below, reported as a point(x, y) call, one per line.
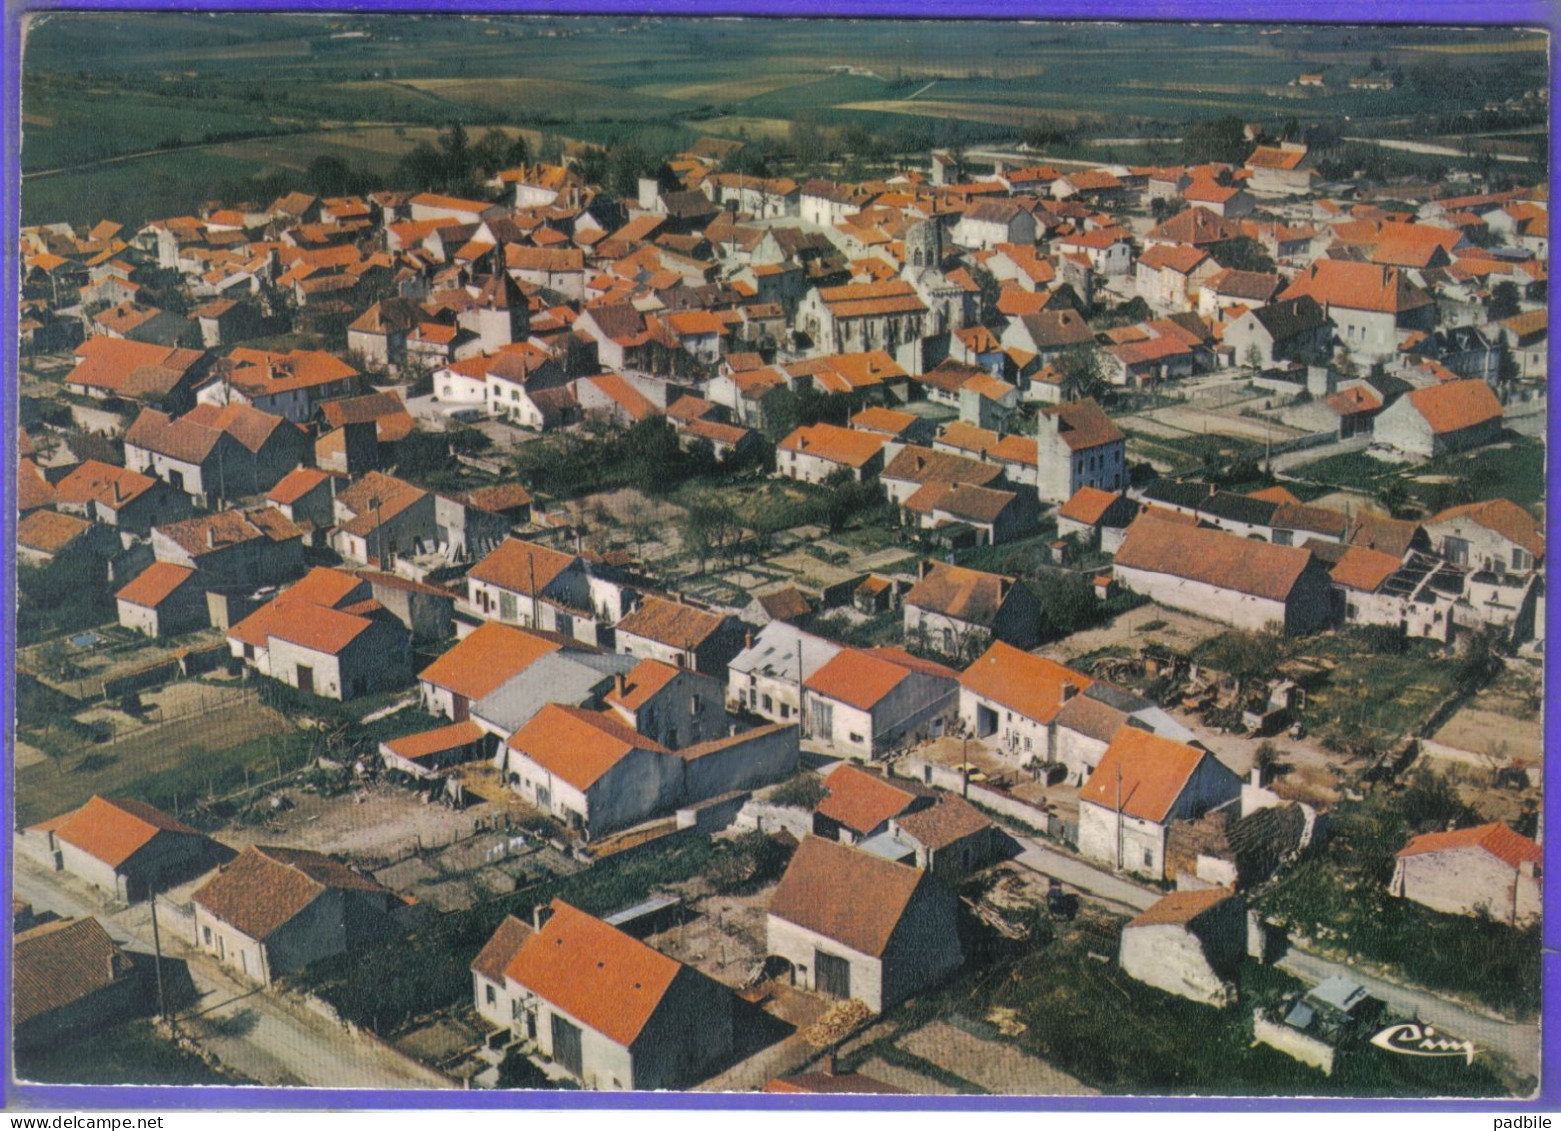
point(1119, 815)
point(157, 961)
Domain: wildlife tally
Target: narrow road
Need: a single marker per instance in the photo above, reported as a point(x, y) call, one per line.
point(1519, 1043)
point(264, 1036)
point(1434, 150)
point(1516, 1042)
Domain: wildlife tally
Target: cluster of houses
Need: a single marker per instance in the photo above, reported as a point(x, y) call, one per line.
point(261, 495)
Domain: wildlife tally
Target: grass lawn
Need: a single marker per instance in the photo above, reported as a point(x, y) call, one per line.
point(1512, 469)
point(170, 766)
point(1391, 695)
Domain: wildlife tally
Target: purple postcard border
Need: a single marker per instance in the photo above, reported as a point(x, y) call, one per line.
point(13, 1096)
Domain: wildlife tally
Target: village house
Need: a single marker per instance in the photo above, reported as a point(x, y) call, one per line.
point(1097, 519)
point(1011, 699)
point(1078, 446)
point(68, 977)
point(45, 535)
point(1488, 869)
point(814, 452)
point(1049, 334)
point(1281, 170)
point(1189, 943)
point(143, 372)
point(381, 518)
point(681, 635)
point(767, 676)
point(291, 385)
point(530, 585)
point(959, 610)
point(234, 548)
point(860, 803)
point(1369, 305)
point(118, 497)
point(675, 706)
point(1496, 535)
point(163, 600)
point(126, 848)
point(1238, 581)
point(477, 665)
point(950, 838)
point(213, 454)
point(306, 496)
point(326, 636)
point(1142, 784)
point(273, 911)
point(1450, 417)
point(427, 753)
point(987, 223)
point(602, 1006)
point(1015, 453)
point(854, 925)
point(1169, 276)
point(1226, 289)
point(1291, 330)
point(861, 703)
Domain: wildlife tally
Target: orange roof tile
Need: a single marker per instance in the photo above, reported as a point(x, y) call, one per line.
point(1511, 848)
point(1088, 505)
point(1364, 569)
point(155, 584)
point(491, 655)
point(436, 741)
point(1225, 561)
point(501, 948)
point(1154, 772)
point(48, 531)
point(643, 683)
point(603, 978)
point(114, 831)
point(1503, 517)
point(861, 801)
point(1456, 405)
point(1182, 907)
point(834, 443)
point(577, 745)
point(1032, 685)
point(1357, 286)
point(60, 963)
point(296, 484)
point(845, 894)
point(521, 567)
point(266, 887)
point(858, 679)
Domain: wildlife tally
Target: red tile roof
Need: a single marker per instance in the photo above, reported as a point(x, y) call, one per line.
point(1501, 516)
point(490, 656)
point(643, 683)
point(501, 948)
point(521, 567)
point(577, 745)
point(1182, 907)
point(49, 532)
point(435, 741)
point(673, 623)
point(1154, 771)
point(598, 975)
point(92, 481)
point(1084, 425)
point(1455, 405)
point(1088, 505)
point(965, 594)
point(834, 443)
point(296, 484)
point(265, 888)
point(861, 801)
point(58, 964)
point(1357, 286)
point(845, 894)
point(1032, 685)
point(1364, 569)
point(1213, 557)
point(114, 831)
point(1511, 848)
point(155, 584)
point(858, 679)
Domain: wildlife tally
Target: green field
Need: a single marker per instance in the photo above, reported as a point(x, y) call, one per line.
point(110, 84)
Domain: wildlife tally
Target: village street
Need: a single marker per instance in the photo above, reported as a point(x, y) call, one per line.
point(1518, 1043)
point(264, 1037)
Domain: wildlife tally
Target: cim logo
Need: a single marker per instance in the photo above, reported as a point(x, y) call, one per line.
point(1410, 1039)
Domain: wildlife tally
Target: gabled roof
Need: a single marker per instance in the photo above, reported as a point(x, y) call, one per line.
point(155, 584)
point(59, 963)
point(1056, 329)
point(484, 660)
point(522, 567)
point(1154, 772)
point(49, 531)
point(672, 623)
point(1084, 425)
point(1512, 849)
point(603, 978)
point(1032, 685)
point(965, 594)
point(916, 464)
point(845, 894)
point(1358, 286)
point(96, 482)
point(265, 888)
point(577, 745)
point(1174, 257)
point(1182, 908)
point(1196, 226)
point(1455, 405)
point(861, 801)
point(296, 484)
point(1363, 569)
point(114, 831)
point(1503, 517)
point(947, 821)
point(497, 953)
point(436, 741)
point(857, 678)
point(833, 443)
point(644, 682)
point(1290, 317)
point(1089, 505)
point(1213, 557)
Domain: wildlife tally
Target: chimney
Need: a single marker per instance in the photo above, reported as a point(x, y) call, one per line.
point(921, 570)
point(1069, 690)
point(211, 537)
point(829, 1064)
point(540, 914)
point(620, 685)
point(747, 640)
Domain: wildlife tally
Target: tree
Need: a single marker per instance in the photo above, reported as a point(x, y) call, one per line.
point(1253, 358)
point(1216, 139)
point(1246, 656)
point(991, 293)
point(1393, 495)
point(495, 151)
point(1082, 376)
point(1503, 302)
point(1244, 254)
